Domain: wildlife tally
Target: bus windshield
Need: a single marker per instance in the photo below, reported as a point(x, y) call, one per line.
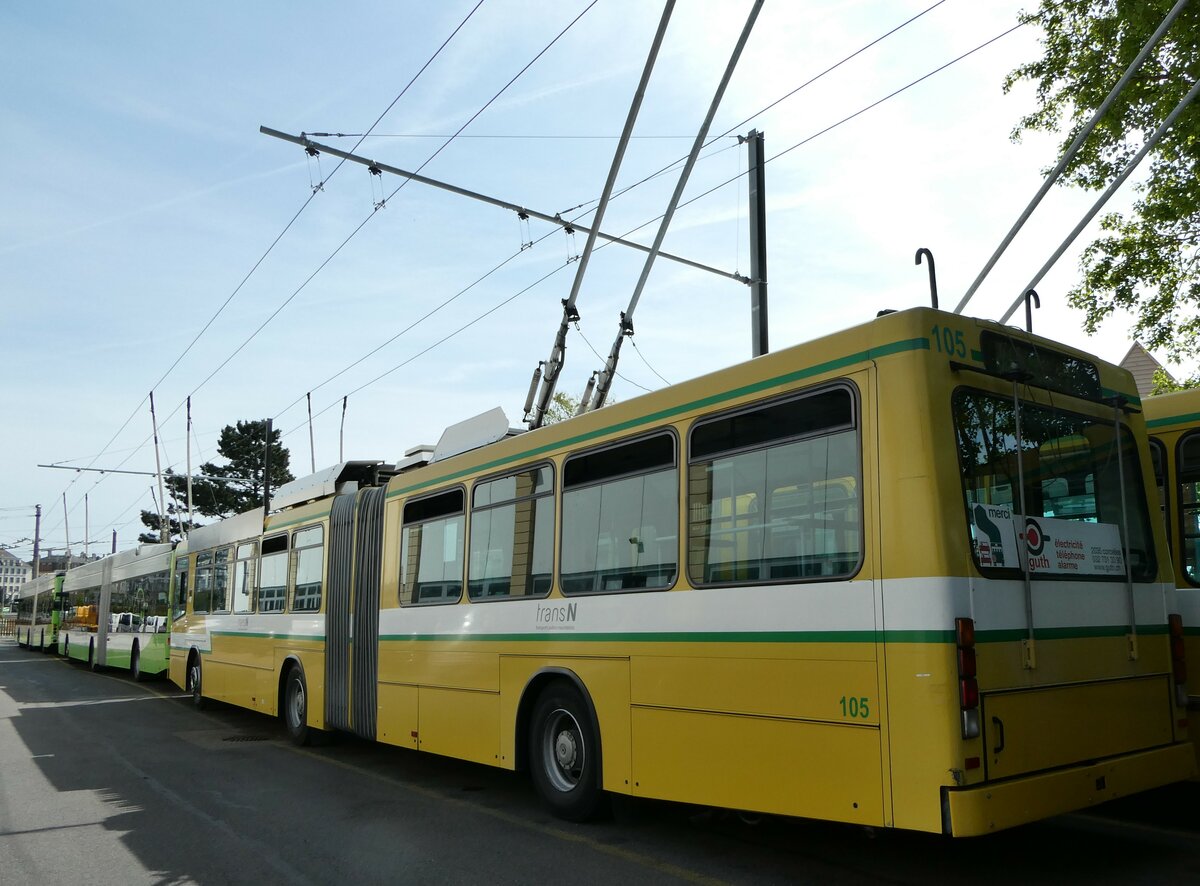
point(1076, 518)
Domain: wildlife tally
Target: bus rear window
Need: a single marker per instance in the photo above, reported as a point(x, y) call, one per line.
point(1046, 367)
point(1070, 506)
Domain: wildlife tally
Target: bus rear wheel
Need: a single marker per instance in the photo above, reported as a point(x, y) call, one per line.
point(564, 754)
point(135, 664)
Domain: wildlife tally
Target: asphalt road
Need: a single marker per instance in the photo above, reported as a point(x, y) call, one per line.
point(103, 780)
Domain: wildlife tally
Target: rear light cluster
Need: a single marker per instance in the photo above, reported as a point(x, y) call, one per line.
point(968, 686)
point(1178, 662)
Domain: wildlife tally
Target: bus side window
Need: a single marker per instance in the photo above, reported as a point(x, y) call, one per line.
point(1158, 459)
point(220, 584)
point(202, 594)
point(308, 551)
point(620, 517)
point(273, 574)
point(431, 549)
point(181, 592)
point(512, 535)
point(1188, 460)
point(774, 492)
point(243, 577)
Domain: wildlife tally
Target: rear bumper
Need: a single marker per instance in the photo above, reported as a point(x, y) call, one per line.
point(970, 812)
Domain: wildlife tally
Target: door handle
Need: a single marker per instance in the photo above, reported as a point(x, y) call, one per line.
point(999, 724)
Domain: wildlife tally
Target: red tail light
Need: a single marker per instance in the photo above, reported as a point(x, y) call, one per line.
point(964, 632)
point(966, 662)
point(1178, 659)
point(968, 686)
point(968, 693)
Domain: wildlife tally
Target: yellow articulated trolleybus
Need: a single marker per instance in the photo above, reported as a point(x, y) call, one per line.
point(905, 575)
point(39, 612)
point(115, 611)
point(1173, 421)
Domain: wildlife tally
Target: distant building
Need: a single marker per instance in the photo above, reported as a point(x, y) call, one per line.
point(1143, 366)
point(58, 562)
point(13, 574)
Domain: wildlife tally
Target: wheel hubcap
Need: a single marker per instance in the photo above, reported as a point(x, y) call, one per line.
point(298, 705)
point(564, 751)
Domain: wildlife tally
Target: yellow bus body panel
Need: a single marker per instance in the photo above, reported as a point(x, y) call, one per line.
point(1169, 417)
point(1116, 716)
point(923, 723)
point(459, 723)
point(799, 682)
point(817, 770)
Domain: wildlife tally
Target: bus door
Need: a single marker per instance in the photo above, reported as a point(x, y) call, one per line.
point(352, 611)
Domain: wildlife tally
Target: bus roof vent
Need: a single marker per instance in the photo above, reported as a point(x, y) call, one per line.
point(415, 457)
point(346, 476)
point(485, 428)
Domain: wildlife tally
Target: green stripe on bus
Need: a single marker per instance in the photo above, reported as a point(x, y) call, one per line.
point(896, 347)
point(311, 518)
point(1173, 420)
point(916, 636)
point(1071, 633)
point(266, 635)
point(648, 637)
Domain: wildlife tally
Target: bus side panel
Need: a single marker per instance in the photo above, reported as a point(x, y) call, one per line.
point(397, 713)
point(459, 723)
point(1188, 600)
point(152, 649)
point(925, 734)
point(790, 767)
point(923, 546)
point(817, 688)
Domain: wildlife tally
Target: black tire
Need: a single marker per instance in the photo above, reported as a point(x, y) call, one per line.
point(135, 664)
point(195, 682)
point(67, 648)
point(92, 656)
point(564, 754)
point(42, 642)
point(295, 708)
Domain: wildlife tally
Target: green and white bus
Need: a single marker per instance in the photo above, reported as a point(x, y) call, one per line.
point(116, 611)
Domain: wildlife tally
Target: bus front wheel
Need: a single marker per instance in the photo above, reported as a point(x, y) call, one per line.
point(564, 754)
point(135, 664)
point(194, 681)
point(295, 708)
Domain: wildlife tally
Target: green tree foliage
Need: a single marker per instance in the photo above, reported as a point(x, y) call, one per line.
point(242, 447)
point(1146, 262)
point(562, 406)
point(1164, 384)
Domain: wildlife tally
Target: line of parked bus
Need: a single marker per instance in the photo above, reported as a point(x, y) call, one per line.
point(113, 612)
point(905, 575)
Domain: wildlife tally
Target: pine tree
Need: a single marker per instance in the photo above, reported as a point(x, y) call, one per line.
point(239, 487)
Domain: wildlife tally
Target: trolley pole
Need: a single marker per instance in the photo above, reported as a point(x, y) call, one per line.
point(37, 539)
point(267, 473)
point(758, 244)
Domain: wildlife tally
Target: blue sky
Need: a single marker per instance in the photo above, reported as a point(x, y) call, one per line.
point(137, 194)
